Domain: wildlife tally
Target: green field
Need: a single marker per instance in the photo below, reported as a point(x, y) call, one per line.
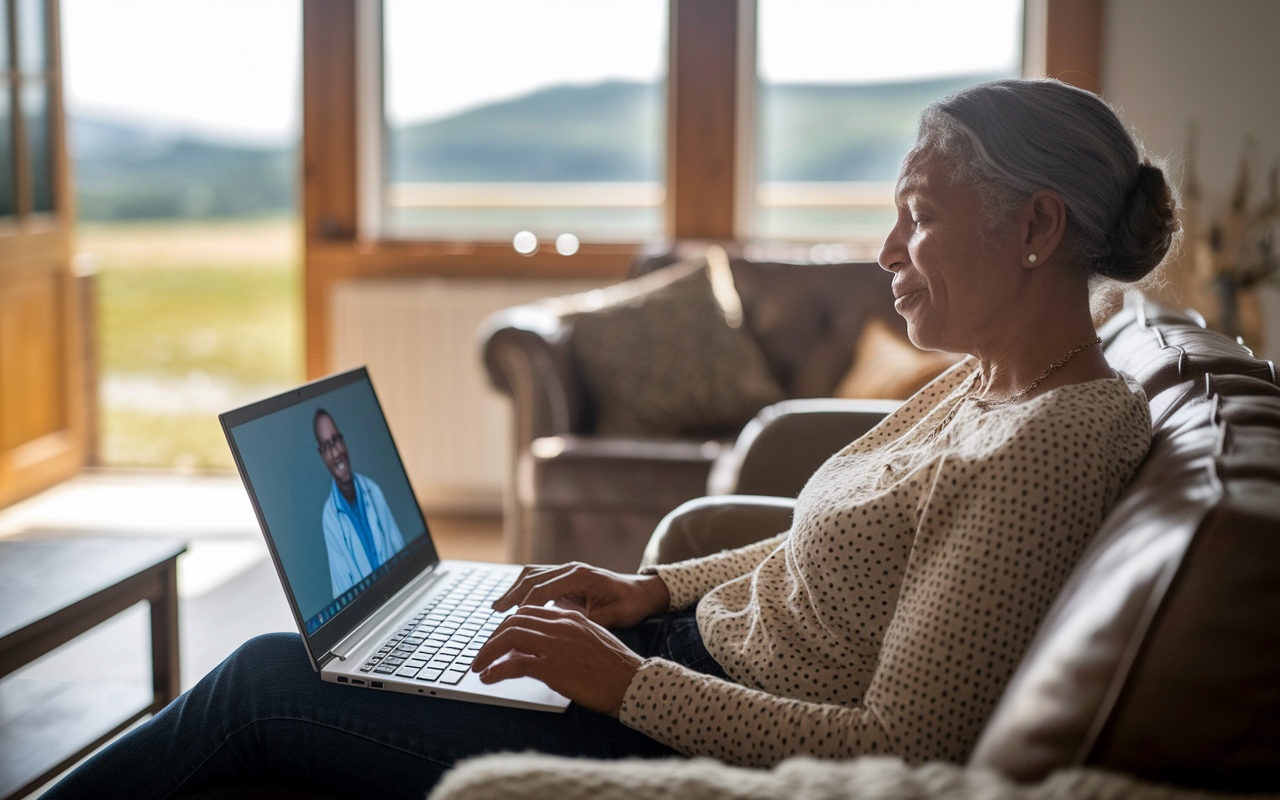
point(193, 318)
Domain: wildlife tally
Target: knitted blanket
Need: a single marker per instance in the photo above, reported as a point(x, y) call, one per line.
point(538, 777)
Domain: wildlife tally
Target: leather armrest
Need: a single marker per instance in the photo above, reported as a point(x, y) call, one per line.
point(710, 524)
point(526, 353)
point(786, 443)
point(589, 473)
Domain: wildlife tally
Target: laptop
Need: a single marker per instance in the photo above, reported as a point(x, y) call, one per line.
point(377, 608)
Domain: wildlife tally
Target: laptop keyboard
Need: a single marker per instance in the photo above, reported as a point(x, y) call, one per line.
point(439, 643)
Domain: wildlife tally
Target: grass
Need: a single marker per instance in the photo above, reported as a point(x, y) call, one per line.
point(186, 442)
point(193, 317)
point(235, 323)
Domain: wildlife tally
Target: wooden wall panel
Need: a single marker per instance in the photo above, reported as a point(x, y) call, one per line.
point(32, 394)
point(41, 388)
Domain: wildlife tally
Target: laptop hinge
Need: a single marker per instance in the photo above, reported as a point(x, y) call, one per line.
point(392, 609)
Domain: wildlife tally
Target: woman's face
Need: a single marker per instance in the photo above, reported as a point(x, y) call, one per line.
point(950, 281)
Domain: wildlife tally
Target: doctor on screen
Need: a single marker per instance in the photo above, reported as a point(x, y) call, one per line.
point(359, 530)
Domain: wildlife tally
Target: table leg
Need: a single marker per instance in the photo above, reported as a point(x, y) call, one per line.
point(165, 672)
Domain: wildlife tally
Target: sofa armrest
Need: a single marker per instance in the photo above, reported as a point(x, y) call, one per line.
point(595, 473)
point(598, 499)
point(526, 353)
point(786, 443)
point(710, 524)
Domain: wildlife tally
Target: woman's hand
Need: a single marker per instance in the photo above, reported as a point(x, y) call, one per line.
point(607, 598)
point(562, 648)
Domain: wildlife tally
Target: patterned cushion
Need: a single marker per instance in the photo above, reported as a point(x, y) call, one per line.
point(660, 359)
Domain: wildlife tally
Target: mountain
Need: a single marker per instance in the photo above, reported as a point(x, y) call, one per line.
point(844, 133)
point(138, 171)
point(611, 131)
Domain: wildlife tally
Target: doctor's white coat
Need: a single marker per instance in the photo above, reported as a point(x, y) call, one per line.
point(347, 560)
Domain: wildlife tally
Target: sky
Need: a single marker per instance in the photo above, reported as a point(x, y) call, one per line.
point(872, 41)
point(231, 68)
point(222, 68)
point(536, 44)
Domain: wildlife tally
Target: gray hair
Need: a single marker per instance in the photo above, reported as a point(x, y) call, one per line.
point(1012, 138)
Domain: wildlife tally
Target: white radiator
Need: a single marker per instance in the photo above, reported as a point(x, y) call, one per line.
point(418, 339)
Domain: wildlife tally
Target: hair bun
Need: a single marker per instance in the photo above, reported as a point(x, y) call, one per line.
point(1146, 230)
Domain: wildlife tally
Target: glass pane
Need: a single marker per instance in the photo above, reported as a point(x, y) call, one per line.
point(5, 63)
point(33, 49)
point(35, 114)
point(842, 83)
point(505, 115)
point(8, 205)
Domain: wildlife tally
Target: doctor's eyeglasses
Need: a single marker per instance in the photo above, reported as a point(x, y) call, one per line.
point(328, 446)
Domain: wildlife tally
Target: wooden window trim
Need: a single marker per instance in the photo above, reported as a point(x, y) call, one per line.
point(1063, 39)
point(706, 141)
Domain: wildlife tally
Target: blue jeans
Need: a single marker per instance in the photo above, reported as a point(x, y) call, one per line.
point(265, 713)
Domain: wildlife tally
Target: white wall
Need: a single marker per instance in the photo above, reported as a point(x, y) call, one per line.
point(1167, 63)
point(1216, 62)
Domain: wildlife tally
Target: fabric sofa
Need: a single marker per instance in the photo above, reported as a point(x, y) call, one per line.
point(580, 495)
point(1159, 660)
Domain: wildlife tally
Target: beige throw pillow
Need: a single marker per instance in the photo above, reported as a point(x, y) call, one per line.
point(887, 367)
point(659, 358)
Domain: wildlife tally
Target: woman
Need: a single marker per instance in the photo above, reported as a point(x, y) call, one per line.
point(920, 559)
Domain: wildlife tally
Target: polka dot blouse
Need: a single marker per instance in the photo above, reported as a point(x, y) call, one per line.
point(920, 560)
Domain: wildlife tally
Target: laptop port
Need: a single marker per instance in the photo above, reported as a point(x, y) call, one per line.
point(376, 684)
point(357, 682)
point(341, 679)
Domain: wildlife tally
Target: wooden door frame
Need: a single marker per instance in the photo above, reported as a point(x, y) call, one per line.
point(35, 246)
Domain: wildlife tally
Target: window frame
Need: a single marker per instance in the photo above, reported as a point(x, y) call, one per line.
point(26, 221)
point(710, 147)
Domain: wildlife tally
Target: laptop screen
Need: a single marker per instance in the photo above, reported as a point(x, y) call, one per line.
point(332, 497)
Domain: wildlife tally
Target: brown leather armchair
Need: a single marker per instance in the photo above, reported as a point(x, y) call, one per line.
point(580, 496)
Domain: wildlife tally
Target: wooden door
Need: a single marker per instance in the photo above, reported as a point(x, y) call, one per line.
point(41, 380)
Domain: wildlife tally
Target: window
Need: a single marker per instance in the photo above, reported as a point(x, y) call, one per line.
point(506, 115)
point(841, 84)
point(718, 161)
point(26, 86)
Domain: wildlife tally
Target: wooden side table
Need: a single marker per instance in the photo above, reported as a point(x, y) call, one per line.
point(51, 591)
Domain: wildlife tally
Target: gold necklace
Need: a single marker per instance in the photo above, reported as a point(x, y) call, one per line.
point(986, 404)
point(1049, 370)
